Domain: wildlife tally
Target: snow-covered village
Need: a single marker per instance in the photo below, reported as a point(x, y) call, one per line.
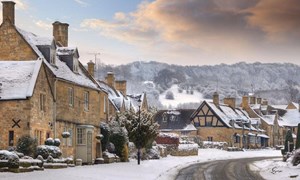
point(149, 89)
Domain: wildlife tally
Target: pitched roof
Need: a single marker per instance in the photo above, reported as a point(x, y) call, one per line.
point(175, 119)
point(227, 114)
point(291, 117)
point(60, 70)
point(18, 78)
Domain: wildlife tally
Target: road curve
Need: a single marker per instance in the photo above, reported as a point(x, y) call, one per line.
point(233, 169)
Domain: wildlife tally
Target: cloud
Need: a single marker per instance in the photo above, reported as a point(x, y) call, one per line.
point(81, 2)
point(280, 20)
point(206, 29)
point(43, 25)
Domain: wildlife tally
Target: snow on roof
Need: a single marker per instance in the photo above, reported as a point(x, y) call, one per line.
point(34, 41)
point(18, 78)
point(263, 135)
point(291, 117)
point(296, 105)
point(66, 51)
point(227, 114)
point(269, 119)
point(62, 71)
point(255, 106)
point(189, 127)
point(279, 106)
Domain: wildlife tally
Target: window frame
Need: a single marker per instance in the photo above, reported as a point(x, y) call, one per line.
point(80, 136)
point(71, 96)
point(86, 100)
point(42, 102)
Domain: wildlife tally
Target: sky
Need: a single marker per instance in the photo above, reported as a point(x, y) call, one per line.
point(190, 32)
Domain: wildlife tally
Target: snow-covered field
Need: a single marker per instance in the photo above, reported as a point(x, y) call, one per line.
point(163, 169)
point(276, 169)
point(179, 98)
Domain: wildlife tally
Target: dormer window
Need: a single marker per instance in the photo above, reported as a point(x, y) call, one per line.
point(52, 56)
point(75, 64)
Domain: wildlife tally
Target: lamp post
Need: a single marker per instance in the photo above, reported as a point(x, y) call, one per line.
point(139, 132)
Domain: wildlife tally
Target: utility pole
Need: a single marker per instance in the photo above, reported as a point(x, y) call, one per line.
point(96, 64)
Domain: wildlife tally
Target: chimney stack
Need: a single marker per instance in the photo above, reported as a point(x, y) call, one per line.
point(258, 100)
point(110, 79)
point(230, 102)
point(245, 103)
point(91, 68)
point(60, 33)
point(252, 100)
point(121, 86)
point(8, 11)
point(216, 99)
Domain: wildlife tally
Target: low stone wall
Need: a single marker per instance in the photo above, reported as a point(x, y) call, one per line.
point(186, 150)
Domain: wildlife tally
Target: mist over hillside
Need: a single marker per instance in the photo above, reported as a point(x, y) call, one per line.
point(279, 83)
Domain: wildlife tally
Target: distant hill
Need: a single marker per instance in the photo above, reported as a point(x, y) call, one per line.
point(280, 83)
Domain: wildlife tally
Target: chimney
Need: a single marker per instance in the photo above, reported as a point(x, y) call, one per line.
point(110, 79)
point(60, 33)
point(252, 100)
point(230, 102)
point(245, 103)
point(265, 102)
point(258, 100)
point(216, 99)
point(8, 11)
point(121, 86)
point(91, 68)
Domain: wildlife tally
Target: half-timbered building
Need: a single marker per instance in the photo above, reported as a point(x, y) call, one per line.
point(226, 123)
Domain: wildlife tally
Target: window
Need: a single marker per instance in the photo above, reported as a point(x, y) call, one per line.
point(65, 139)
point(80, 136)
point(208, 123)
point(75, 64)
point(52, 56)
point(71, 96)
point(86, 100)
point(164, 118)
point(38, 136)
point(42, 102)
point(11, 138)
point(104, 105)
point(237, 138)
point(173, 117)
point(209, 138)
point(70, 139)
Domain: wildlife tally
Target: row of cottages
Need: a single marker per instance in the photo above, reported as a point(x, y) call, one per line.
point(227, 123)
point(45, 91)
point(276, 119)
point(213, 121)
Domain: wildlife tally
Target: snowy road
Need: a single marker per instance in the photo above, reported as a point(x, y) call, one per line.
point(163, 169)
point(220, 170)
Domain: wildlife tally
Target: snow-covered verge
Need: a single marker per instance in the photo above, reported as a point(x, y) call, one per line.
point(163, 169)
point(276, 169)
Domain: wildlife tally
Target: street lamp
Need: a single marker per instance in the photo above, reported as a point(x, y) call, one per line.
point(139, 132)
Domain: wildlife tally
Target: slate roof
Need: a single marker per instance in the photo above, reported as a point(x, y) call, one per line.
point(175, 119)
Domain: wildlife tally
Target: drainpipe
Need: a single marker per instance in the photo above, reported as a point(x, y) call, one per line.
point(54, 109)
